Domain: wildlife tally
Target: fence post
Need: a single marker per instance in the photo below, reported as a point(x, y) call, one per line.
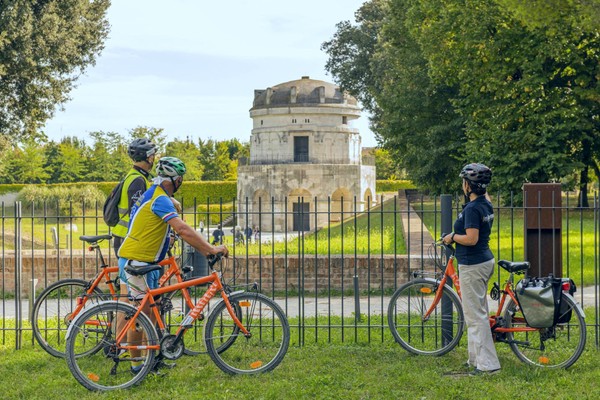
point(446, 215)
point(18, 276)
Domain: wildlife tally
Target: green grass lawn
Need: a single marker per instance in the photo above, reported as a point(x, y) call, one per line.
point(327, 371)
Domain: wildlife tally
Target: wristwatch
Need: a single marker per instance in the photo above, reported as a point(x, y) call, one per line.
point(452, 236)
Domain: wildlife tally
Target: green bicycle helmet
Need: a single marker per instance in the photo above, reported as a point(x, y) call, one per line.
point(170, 167)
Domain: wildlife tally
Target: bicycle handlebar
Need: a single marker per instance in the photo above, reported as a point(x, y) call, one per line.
point(213, 259)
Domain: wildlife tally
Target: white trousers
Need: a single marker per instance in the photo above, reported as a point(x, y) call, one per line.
point(473, 285)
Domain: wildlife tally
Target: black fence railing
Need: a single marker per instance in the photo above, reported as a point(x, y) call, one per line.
point(332, 264)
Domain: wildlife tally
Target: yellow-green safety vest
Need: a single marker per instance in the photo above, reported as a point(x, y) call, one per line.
point(121, 228)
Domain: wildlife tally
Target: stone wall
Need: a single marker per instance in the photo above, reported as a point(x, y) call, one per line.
point(282, 273)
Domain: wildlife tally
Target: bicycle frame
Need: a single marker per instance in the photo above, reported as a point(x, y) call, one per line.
point(216, 286)
point(450, 273)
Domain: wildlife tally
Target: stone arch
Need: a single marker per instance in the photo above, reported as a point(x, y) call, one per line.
point(300, 206)
point(341, 200)
point(261, 210)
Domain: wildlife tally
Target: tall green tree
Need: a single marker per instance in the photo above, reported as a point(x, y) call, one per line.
point(156, 135)
point(187, 152)
point(27, 164)
point(380, 63)
point(108, 160)
point(529, 97)
point(45, 45)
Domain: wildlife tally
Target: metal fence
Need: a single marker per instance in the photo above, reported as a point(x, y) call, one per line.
point(333, 276)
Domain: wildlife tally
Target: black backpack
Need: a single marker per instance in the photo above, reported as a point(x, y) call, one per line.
point(111, 205)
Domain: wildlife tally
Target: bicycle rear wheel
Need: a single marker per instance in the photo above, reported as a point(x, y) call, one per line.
point(94, 358)
point(263, 349)
point(555, 347)
point(434, 336)
point(52, 312)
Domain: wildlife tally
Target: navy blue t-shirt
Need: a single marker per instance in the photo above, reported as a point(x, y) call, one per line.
point(478, 214)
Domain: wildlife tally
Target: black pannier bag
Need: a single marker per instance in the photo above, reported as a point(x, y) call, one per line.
point(539, 300)
point(564, 315)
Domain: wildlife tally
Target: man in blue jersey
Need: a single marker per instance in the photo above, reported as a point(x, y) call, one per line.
point(153, 217)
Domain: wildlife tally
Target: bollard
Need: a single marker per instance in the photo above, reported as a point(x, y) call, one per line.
point(357, 316)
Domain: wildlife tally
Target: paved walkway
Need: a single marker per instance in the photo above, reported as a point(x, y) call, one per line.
point(323, 306)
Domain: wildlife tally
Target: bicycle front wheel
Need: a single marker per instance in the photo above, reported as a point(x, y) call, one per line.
point(435, 335)
point(259, 351)
point(194, 343)
point(93, 356)
point(53, 311)
point(555, 347)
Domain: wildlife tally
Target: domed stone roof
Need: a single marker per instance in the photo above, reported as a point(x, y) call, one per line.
point(302, 92)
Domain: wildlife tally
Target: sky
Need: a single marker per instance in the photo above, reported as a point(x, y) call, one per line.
point(191, 66)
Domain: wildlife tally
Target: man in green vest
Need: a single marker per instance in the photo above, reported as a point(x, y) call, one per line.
point(142, 151)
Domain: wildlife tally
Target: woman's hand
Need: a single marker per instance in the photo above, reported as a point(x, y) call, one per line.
point(448, 239)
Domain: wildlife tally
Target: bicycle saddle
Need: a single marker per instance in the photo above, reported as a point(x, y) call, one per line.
point(514, 266)
point(93, 239)
point(141, 270)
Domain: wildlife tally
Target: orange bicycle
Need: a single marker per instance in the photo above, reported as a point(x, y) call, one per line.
point(250, 326)
point(425, 315)
point(62, 301)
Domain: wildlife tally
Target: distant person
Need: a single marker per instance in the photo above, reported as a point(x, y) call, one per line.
point(248, 233)
point(201, 226)
point(256, 234)
point(218, 235)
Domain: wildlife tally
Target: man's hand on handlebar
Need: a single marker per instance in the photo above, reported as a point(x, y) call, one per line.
point(221, 249)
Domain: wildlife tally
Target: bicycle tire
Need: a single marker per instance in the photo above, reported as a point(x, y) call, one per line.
point(407, 306)
point(260, 352)
point(110, 368)
point(52, 313)
point(194, 342)
point(562, 343)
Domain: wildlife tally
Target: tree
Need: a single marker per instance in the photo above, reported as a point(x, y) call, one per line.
point(529, 95)
point(27, 164)
point(187, 152)
point(45, 45)
point(109, 160)
point(155, 135)
point(382, 65)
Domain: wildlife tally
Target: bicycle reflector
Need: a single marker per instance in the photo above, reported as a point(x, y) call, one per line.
point(256, 364)
point(544, 360)
point(244, 303)
point(425, 290)
point(93, 377)
point(566, 286)
point(90, 248)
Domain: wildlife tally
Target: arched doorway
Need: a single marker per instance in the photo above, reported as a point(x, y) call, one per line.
point(341, 200)
point(299, 203)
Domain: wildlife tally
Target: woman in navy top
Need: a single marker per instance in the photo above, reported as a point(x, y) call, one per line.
point(476, 262)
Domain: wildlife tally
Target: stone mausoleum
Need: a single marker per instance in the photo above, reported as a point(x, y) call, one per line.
point(303, 147)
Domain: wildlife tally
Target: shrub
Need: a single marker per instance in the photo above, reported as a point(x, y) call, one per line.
point(393, 186)
point(64, 197)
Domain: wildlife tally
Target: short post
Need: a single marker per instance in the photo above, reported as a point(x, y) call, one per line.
point(447, 328)
point(357, 316)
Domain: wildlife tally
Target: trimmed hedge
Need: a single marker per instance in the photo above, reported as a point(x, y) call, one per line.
point(393, 186)
point(203, 191)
